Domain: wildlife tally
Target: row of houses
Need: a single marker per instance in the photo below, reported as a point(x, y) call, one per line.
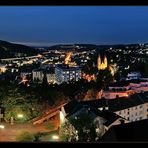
point(132, 108)
point(125, 88)
point(108, 113)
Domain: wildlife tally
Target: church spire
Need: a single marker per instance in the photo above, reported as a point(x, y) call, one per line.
point(102, 64)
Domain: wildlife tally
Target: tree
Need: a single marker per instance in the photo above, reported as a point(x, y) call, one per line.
point(25, 137)
point(19, 102)
point(68, 132)
point(85, 126)
point(80, 128)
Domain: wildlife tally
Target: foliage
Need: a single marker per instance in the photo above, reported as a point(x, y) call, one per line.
point(49, 125)
point(80, 128)
point(68, 133)
point(25, 137)
point(18, 101)
point(85, 126)
point(104, 78)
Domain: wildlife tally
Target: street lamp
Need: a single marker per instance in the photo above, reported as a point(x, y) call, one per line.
point(20, 116)
point(2, 126)
point(55, 137)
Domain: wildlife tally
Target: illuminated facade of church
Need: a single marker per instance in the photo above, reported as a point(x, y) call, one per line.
point(102, 64)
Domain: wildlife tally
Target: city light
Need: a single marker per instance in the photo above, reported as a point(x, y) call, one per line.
point(62, 119)
point(20, 116)
point(55, 137)
point(2, 126)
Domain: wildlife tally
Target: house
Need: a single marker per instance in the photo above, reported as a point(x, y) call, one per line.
point(103, 119)
point(37, 75)
point(125, 88)
point(132, 108)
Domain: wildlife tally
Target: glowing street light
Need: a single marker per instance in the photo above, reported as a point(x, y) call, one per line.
point(2, 126)
point(55, 137)
point(20, 116)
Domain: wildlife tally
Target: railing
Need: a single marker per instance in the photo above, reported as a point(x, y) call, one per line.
point(47, 115)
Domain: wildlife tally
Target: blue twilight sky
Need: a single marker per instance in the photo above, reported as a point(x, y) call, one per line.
point(48, 25)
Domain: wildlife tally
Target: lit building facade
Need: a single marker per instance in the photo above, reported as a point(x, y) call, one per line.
point(133, 108)
point(65, 73)
point(102, 64)
point(134, 113)
point(133, 76)
point(125, 91)
point(37, 75)
point(51, 78)
point(2, 68)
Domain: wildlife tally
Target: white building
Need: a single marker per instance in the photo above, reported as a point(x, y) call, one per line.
point(133, 76)
point(135, 113)
point(133, 108)
point(37, 75)
point(65, 73)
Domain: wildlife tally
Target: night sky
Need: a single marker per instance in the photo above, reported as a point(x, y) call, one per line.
point(40, 25)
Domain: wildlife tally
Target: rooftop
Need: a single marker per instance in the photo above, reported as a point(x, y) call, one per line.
point(134, 131)
point(74, 106)
point(119, 103)
point(67, 67)
point(126, 83)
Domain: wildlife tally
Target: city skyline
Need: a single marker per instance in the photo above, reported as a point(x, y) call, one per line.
point(50, 25)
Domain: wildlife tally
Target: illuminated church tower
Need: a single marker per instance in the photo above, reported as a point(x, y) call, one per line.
point(102, 64)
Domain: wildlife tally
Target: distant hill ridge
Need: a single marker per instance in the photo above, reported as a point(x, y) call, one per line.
point(8, 49)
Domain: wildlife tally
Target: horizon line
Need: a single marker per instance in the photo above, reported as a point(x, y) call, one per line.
point(42, 44)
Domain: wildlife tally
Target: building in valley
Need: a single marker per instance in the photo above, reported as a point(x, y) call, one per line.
point(66, 73)
point(132, 108)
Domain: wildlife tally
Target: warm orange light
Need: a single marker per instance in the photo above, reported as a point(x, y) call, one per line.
point(102, 64)
point(88, 77)
point(2, 69)
point(68, 57)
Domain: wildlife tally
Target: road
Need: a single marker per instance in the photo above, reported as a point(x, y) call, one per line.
point(10, 132)
point(13, 59)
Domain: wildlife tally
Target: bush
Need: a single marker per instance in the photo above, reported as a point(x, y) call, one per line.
point(25, 137)
point(49, 126)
